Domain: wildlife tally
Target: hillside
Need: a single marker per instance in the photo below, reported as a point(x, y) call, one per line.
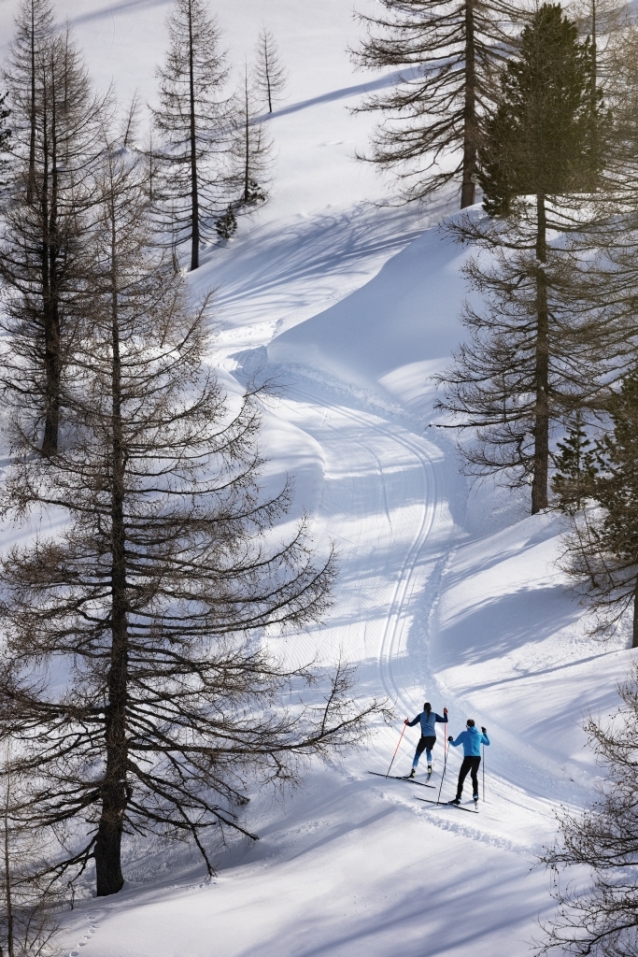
point(446, 593)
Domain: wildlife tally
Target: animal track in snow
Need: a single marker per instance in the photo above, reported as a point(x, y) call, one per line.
point(93, 926)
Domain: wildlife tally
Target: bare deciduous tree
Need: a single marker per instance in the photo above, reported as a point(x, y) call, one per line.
point(598, 917)
point(433, 116)
point(193, 122)
point(251, 149)
point(30, 895)
point(56, 140)
point(155, 596)
point(34, 30)
point(270, 74)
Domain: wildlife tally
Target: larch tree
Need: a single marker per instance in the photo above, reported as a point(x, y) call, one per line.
point(251, 149)
point(598, 917)
point(34, 31)
point(50, 198)
point(536, 352)
point(30, 895)
point(447, 50)
point(156, 595)
point(270, 74)
point(193, 123)
point(5, 141)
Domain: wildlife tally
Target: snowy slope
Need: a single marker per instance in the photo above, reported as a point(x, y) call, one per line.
point(443, 594)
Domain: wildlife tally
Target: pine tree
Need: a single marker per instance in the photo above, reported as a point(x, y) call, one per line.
point(537, 351)
point(194, 123)
point(603, 548)
point(56, 147)
point(226, 225)
point(155, 595)
point(576, 468)
point(539, 138)
point(600, 919)
point(434, 116)
point(270, 75)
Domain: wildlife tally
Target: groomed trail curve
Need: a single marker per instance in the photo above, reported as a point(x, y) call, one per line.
point(385, 482)
point(385, 502)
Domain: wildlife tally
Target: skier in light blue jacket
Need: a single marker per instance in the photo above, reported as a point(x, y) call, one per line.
point(471, 740)
point(427, 719)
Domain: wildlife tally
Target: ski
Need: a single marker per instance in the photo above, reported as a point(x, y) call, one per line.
point(460, 807)
point(397, 777)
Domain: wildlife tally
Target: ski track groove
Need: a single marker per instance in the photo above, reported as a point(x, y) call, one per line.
point(396, 621)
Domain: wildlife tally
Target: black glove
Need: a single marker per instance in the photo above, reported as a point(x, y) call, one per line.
point(484, 730)
point(450, 738)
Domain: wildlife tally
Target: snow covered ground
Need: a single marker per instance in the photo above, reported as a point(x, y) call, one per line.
point(444, 593)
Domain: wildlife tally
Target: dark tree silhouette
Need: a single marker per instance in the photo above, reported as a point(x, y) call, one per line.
point(270, 75)
point(34, 30)
point(447, 50)
point(602, 550)
point(154, 596)
point(537, 352)
point(251, 149)
point(56, 146)
point(600, 919)
point(194, 124)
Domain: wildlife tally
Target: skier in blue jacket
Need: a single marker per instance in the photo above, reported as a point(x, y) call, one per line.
point(427, 719)
point(471, 741)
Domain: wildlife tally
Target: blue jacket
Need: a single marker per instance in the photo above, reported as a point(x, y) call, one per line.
point(427, 724)
point(471, 739)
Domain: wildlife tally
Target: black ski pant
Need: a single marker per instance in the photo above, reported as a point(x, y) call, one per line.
point(470, 764)
point(425, 744)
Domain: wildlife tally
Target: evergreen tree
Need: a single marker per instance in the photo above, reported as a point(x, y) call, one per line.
point(56, 149)
point(576, 468)
point(226, 225)
point(537, 352)
point(603, 549)
point(193, 121)
point(154, 596)
point(539, 138)
point(434, 116)
point(601, 918)
point(270, 75)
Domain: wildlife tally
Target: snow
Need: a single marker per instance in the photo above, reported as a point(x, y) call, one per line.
point(445, 592)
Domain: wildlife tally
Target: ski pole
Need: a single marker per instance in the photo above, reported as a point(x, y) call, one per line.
point(483, 773)
point(396, 749)
point(445, 747)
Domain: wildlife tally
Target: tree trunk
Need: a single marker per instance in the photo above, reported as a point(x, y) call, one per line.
point(267, 71)
point(634, 638)
point(50, 292)
point(470, 137)
point(115, 794)
point(32, 108)
point(193, 148)
point(8, 877)
point(246, 148)
point(541, 414)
